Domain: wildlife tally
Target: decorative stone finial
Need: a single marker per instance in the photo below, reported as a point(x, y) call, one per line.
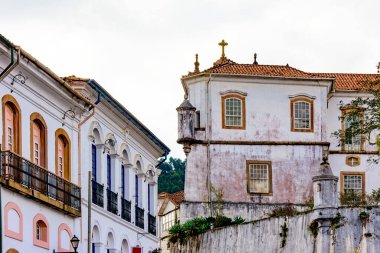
point(378, 68)
point(196, 64)
point(255, 59)
point(223, 44)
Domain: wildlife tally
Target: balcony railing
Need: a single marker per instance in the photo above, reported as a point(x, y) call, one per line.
point(97, 194)
point(111, 201)
point(139, 215)
point(151, 224)
point(31, 176)
point(125, 209)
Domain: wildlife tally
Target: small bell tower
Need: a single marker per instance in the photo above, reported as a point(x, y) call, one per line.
point(186, 121)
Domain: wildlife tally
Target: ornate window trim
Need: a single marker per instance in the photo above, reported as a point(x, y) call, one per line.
point(8, 99)
point(344, 111)
point(7, 232)
point(243, 111)
point(306, 99)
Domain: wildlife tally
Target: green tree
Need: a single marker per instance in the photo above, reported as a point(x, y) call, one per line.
point(363, 114)
point(172, 178)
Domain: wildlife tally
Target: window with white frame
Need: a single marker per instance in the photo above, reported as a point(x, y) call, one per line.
point(353, 182)
point(352, 140)
point(259, 177)
point(168, 221)
point(233, 111)
point(302, 114)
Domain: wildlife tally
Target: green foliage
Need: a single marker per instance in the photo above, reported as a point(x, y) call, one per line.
point(335, 222)
point(352, 198)
point(367, 109)
point(172, 177)
point(180, 233)
point(364, 217)
point(177, 234)
point(238, 220)
point(284, 234)
point(284, 211)
point(373, 198)
point(313, 228)
point(222, 221)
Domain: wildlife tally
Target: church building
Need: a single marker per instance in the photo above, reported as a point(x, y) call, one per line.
point(256, 134)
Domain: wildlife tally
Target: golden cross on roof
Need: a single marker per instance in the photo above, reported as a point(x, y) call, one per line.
point(223, 44)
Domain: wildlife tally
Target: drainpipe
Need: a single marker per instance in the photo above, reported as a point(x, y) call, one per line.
point(13, 64)
point(89, 188)
point(208, 130)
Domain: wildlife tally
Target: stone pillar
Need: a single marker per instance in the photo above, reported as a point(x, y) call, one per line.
point(325, 187)
point(322, 245)
point(97, 247)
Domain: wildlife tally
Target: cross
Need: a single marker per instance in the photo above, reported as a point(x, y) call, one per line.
point(223, 44)
point(378, 68)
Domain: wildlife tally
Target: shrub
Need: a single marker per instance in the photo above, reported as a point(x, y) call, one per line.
point(284, 211)
point(238, 220)
point(221, 221)
point(352, 198)
point(177, 234)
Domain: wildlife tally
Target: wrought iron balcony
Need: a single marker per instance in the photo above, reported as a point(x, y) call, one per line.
point(151, 224)
point(139, 217)
point(125, 209)
point(97, 194)
point(111, 201)
point(21, 175)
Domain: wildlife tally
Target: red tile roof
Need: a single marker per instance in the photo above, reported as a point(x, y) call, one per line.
point(176, 197)
point(342, 81)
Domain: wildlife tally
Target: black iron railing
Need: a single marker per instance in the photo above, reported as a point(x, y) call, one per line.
point(151, 224)
point(30, 175)
point(125, 209)
point(112, 201)
point(97, 194)
point(139, 215)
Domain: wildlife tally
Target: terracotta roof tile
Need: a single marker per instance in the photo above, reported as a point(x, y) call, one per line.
point(343, 81)
point(350, 81)
point(177, 197)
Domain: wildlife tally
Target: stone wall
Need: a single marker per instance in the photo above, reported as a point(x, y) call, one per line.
point(350, 233)
point(249, 211)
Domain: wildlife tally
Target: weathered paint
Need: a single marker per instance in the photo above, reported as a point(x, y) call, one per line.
point(351, 235)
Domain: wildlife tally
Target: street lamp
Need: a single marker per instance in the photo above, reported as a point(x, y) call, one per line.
point(74, 243)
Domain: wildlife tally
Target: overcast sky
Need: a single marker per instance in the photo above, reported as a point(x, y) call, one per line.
point(138, 50)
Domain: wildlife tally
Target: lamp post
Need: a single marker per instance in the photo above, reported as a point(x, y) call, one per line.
point(74, 243)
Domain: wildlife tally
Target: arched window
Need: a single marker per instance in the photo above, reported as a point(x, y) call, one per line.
point(38, 140)
point(40, 231)
point(13, 221)
point(11, 124)
point(64, 237)
point(233, 111)
point(138, 186)
point(302, 114)
point(62, 154)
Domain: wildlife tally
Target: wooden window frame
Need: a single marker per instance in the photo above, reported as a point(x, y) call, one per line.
point(362, 137)
point(345, 173)
point(302, 99)
point(8, 99)
point(60, 133)
point(243, 121)
point(269, 163)
point(36, 117)
point(353, 156)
